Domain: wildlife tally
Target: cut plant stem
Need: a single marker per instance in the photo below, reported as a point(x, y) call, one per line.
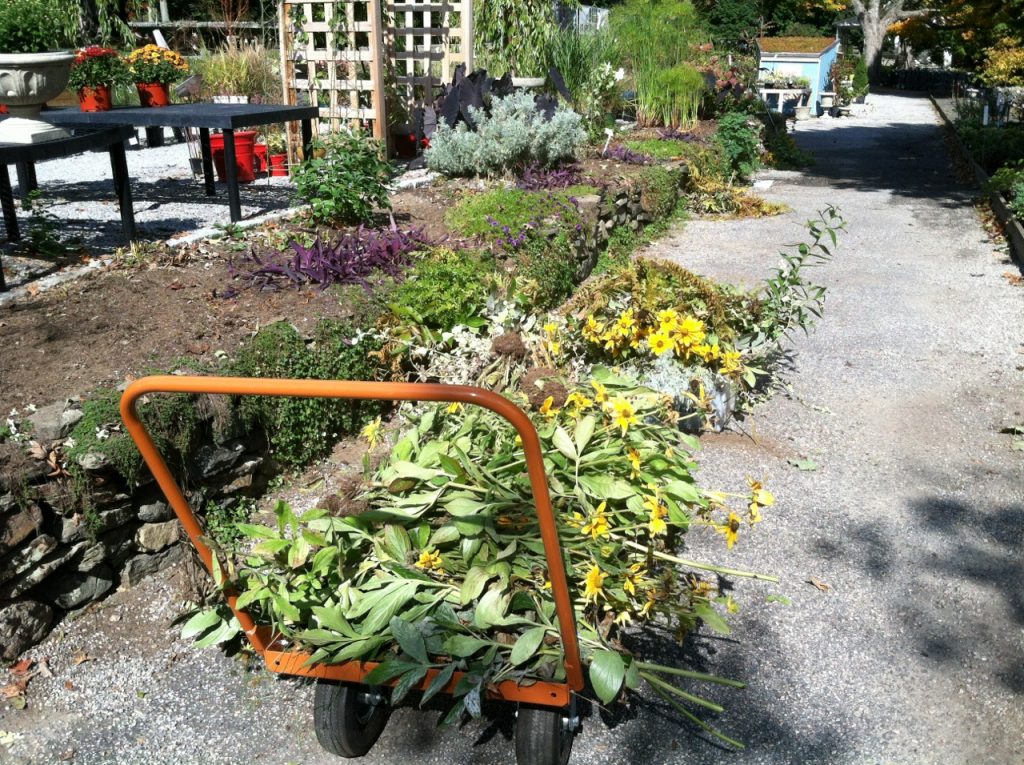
point(668, 687)
point(696, 720)
point(705, 566)
point(690, 674)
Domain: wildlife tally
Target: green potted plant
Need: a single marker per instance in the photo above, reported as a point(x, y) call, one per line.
point(35, 61)
point(514, 36)
point(94, 73)
point(154, 68)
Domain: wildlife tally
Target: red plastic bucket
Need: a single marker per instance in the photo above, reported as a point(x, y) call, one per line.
point(278, 165)
point(245, 142)
point(260, 152)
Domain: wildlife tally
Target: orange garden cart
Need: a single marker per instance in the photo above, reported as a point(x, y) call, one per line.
point(349, 716)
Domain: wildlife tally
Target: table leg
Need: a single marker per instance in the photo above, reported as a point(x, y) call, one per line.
point(204, 148)
point(231, 176)
point(154, 137)
point(7, 204)
point(307, 139)
point(123, 189)
point(27, 182)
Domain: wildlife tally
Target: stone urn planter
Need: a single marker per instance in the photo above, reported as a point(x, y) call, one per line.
point(27, 82)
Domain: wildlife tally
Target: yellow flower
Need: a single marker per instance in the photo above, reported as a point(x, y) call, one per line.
point(659, 343)
point(576, 521)
point(690, 333)
point(429, 561)
point(625, 323)
point(594, 584)
point(554, 347)
point(623, 413)
point(454, 407)
point(592, 329)
point(623, 618)
point(371, 432)
point(669, 320)
point(652, 599)
point(731, 530)
point(578, 402)
point(634, 463)
point(759, 497)
point(658, 512)
point(730, 363)
point(600, 392)
point(710, 352)
point(547, 408)
point(634, 577)
point(597, 526)
point(550, 329)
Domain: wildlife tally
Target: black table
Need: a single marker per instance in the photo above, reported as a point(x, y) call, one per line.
point(26, 155)
point(205, 117)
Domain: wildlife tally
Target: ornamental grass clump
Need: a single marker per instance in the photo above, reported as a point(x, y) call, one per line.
point(445, 569)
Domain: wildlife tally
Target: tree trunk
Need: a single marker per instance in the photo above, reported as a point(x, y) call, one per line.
point(874, 37)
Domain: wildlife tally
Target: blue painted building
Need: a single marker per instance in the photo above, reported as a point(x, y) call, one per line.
point(807, 57)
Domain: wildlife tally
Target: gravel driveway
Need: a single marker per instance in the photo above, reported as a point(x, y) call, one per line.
point(912, 651)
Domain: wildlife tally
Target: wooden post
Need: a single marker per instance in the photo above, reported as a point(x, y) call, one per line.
point(467, 34)
point(381, 129)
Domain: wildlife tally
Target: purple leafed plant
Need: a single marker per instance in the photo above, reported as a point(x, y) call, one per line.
point(625, 154)
point(535, 177)
point(675, 134)
point(348, 259)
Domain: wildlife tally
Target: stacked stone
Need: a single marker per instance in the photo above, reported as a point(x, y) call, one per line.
point(55, 558)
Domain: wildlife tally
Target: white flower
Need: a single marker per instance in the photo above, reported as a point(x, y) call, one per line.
point(620, 74)
point(102, 434)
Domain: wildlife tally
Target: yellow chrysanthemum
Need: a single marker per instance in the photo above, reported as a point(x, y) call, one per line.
point(597, 525)
point(578, 402)
point(454, 407)
point(600, 392)
point(634, 463)
point(371, 432)
point(668, 320)
point(690, 333)
point(550, 329)
point(656, 521)
point(430, 560)
point(659, 343)
point(592, 329)
point(547, 408)
point(594, 584)
point(731, 530)
point(730, 363)
point(634, 578)
point(623, 413)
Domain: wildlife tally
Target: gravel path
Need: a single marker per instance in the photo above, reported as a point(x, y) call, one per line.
point(913, 521)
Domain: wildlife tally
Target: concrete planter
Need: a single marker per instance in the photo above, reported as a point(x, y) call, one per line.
point(27, 82)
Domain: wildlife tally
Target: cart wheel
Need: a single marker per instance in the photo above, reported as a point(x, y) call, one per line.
point(348, 718)
point(544, 735)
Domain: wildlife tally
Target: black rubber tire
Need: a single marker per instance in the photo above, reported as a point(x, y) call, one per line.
point(542, 737)
point(344, 724)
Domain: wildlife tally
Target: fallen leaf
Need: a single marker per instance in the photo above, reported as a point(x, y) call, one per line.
point(820, 585)
point(12, 690)
point(19, 702)
point(67, 756)
point(806, 465)
point(69, 685)
point(44, 667)
point(1015, 279)
point(21, 668)
point(81, 657)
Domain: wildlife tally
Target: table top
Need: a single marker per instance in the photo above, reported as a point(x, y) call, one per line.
point(223, 116)
point(82, 140)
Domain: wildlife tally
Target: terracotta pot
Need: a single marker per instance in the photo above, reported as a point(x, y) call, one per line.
point(153, 94)
point(278, 165)
point(245, 142)
point(96, 99)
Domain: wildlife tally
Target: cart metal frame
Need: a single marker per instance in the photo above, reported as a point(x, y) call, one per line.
point(277, 655)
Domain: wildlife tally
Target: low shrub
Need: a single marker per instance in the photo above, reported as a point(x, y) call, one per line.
point(513, 135)
point(443, 289)
point(660, 148)
point(781, 150)
point(992, 146)
point(344, 179)
point(737, 136)
point(301, 430)
point(499, 213)
point(545, 269)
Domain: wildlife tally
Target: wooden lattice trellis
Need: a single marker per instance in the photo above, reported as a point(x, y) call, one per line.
point(350, 57)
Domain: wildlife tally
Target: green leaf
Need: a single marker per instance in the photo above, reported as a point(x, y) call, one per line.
point(584, 432)
point(607, 671)
point(633, 678)
point(332, 619)
point(409, 681)
point(357, 649)
point(526, 646)
point(604, 487)
point(254, 531)
point(199, 624)
point(402, 469)
point(409, 639)
point(389, 606)
point(444, 535)
point(463, 506)
point(473, 584)
point(396, 541)
point(227, 630)
point(388, 670)
point(441, 679)
point(299, 553)
point(250, 596)
point(463, 646)
point(563, 443)
point(270, 547)
point(490, 611)
point(778, 599)
point(807, 465)
point(683, 490)
point(712, 618)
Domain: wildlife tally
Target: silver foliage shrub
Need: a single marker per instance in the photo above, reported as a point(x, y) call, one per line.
point(514, 134)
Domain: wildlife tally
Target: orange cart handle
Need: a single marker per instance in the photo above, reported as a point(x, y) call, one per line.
point(395, 391)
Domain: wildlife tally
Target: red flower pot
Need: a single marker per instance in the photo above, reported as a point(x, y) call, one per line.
point(153, 94)
point(95, 99)
point(260, 153)
point(245, 142)
point(278, 165)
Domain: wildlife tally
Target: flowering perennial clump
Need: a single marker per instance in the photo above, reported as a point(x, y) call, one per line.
point(153, 64)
